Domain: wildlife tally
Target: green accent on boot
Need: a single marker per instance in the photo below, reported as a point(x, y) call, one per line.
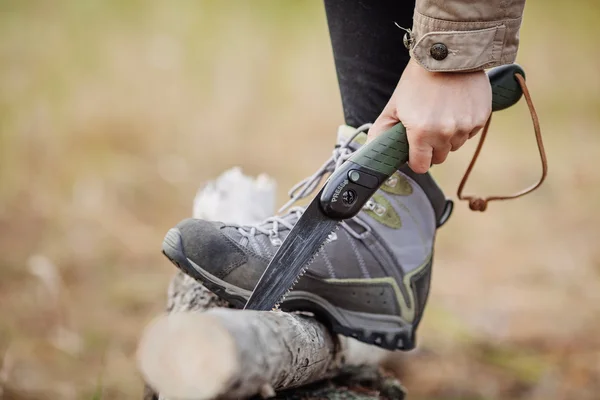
point(397, 184)
point(384, 212)
point(408, 308)
point(360, 139)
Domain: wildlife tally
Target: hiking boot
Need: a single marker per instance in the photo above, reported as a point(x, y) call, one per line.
point(370, 280)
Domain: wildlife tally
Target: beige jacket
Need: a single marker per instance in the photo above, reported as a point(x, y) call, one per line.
point(465, 35)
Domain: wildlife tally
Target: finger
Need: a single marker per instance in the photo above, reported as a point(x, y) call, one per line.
point(480, 126)
point(440, 154)
point(382, 124)
point(419, 158)
point(458, 141)
point(474, 131)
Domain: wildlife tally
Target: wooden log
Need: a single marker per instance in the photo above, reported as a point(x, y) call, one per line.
point(350, 383)
point(202, 350)
point(231, 354)
point(358, 383)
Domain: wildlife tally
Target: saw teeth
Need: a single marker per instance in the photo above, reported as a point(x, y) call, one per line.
point(305, 269)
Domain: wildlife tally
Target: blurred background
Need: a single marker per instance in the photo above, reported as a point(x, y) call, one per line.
point(114, 113)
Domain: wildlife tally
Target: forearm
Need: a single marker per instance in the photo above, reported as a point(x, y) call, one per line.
point(459, 35)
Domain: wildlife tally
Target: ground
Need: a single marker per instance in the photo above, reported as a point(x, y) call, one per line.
point(113, 114)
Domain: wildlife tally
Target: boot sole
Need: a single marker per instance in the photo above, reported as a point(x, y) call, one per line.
point(391, 333)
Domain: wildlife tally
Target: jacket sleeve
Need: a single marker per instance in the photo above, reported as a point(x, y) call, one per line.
point(465, 35)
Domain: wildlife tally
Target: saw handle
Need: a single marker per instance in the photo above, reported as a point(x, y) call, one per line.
point(354, 182)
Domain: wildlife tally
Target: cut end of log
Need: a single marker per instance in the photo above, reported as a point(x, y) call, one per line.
point(187, 356)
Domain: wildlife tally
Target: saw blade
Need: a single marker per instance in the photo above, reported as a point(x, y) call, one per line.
point(295, 254)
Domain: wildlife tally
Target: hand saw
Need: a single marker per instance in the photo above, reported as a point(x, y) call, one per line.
point(346, 191)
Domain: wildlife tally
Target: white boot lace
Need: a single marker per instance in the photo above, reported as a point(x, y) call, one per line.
point(302, 189)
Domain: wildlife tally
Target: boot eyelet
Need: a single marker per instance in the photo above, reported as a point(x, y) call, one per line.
point(392, 181)
point(369, 205)
point(379, 210)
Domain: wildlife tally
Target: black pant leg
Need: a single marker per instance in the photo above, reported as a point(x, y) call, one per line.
point(368, 51)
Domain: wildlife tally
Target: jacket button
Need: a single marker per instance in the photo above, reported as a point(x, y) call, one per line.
point(438, 51)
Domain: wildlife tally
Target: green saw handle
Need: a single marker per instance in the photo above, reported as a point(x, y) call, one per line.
point(354, 182)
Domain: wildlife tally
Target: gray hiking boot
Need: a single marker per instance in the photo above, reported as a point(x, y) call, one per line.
point(371, 279)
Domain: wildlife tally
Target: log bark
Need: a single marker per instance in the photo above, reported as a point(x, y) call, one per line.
point(202, 349)
point(231, 354)
point(350, 383)
point(358, 383)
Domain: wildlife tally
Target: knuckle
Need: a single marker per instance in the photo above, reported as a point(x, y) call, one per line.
point(450, 127)
point(447, 130)
point(418, 138)
point(468, 124)
point(426, 127)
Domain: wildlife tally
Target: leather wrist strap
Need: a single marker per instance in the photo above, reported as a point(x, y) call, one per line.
point(477, 203)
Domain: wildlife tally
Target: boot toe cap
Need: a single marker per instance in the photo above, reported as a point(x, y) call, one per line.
point(205, 245)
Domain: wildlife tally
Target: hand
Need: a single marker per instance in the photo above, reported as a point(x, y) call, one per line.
point(440, 111)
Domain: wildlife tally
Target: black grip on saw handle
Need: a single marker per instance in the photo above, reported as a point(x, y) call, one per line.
point(506, 90)
point(355, 181)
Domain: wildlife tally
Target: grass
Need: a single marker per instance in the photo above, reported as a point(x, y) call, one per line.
point(112, 114)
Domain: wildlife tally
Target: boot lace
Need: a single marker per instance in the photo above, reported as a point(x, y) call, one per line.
point(272, 225)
